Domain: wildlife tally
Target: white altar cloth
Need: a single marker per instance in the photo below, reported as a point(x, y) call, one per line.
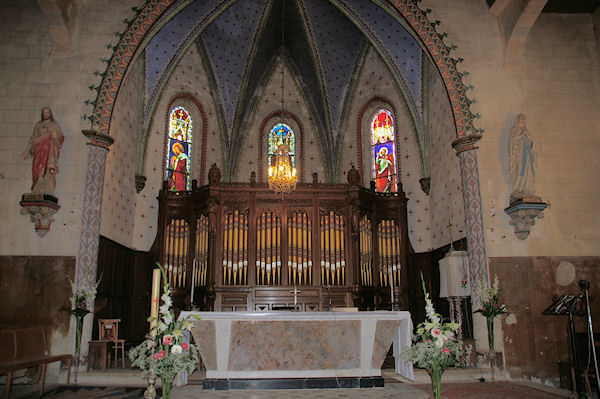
point(243, 345)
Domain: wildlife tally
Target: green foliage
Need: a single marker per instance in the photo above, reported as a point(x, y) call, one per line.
point(165, 353)
point(435, 346)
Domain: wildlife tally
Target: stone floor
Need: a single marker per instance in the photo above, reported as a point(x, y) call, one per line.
point(456, 384)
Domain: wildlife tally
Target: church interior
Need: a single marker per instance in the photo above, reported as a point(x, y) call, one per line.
point(304, 155)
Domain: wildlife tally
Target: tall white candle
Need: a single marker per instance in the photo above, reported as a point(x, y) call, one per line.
point(154, 301)
point(193, 283)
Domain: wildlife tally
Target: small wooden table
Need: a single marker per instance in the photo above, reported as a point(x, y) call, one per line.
point(98, 353)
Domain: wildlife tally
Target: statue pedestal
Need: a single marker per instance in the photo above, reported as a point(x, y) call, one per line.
point(41, 209)
point(523, 213)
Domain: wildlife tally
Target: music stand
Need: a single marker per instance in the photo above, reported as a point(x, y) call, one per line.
point(568, 304)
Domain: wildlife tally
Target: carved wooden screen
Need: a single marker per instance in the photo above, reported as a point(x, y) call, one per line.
point(366, 252)
point(299, 249)
point(201, 252)
point(268, 249)
point(235, 248)
point(388, 235)
point(333, 258)
point(176, 251)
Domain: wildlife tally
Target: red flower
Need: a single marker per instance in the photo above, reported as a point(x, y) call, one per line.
point(184, 346)
point(161, 354)
point(167, 340)
point(445, 350)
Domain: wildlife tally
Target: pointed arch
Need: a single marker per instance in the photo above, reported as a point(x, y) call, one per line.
point(267, 124)
point(198, 159)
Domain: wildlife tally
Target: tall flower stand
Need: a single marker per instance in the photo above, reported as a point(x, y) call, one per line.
point(78, 333)
point(492, 355)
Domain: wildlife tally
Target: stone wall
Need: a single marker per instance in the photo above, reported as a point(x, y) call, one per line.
point(37, 70)
point(32, 290)
point(556, 86)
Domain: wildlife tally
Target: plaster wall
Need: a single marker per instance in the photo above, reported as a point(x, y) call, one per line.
point(118, 209)
point(446, 203)
point(188, 77)
point(33, 75)
point(308, 155)
point(556, 85)
point(534, 343)
point(376, 81)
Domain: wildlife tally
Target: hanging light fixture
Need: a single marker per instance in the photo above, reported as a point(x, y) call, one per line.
point(282, 174)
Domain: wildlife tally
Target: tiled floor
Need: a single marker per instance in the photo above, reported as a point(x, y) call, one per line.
point(456, 384)
point(390, 391)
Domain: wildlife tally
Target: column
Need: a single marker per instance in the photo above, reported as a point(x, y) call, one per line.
point(478, 265)
point(89, 237)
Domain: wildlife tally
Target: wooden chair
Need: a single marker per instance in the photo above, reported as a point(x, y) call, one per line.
point(108, 330)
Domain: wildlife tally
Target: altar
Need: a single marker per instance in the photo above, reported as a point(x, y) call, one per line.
point(299, 349)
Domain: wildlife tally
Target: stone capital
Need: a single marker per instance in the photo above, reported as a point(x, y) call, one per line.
point(98, 139)
point(466, 143)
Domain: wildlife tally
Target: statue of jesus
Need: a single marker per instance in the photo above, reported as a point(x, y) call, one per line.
point(44, 146)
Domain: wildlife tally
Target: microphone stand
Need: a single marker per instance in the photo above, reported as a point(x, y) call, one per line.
point(585, 285)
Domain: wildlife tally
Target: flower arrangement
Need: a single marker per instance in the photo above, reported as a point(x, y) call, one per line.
point(490, 308)
point(165, 353)
point(435, 346)
point(80, 300)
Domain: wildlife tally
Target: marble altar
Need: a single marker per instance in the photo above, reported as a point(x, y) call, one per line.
point(293, 345)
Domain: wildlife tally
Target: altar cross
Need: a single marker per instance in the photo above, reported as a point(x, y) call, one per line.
point(296, 291)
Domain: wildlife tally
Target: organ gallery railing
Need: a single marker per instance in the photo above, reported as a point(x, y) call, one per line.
point(239, 246)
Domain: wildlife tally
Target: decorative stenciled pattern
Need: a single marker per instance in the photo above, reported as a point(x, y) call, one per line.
point(446, 197)
point(399, 47)
point(228, 41)
point(122, 57)
point(474, 219)
point(339, 43)
point(89, 238)
point(166, 45)
point(463, 118)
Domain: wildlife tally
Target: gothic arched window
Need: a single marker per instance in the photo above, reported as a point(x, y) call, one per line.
point(179, 150)
point(384, 152)
point(281, 134)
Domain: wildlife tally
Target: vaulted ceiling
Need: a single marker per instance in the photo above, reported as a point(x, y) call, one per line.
point(321, 41)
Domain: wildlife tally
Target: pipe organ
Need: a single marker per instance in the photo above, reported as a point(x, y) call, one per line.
point(239, 246)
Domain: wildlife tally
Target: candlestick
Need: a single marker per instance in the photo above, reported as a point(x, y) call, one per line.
point(154, 302)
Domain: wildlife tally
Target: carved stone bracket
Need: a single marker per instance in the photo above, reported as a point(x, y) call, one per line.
point(140, 182)
point(41, 209)
point(523, 215)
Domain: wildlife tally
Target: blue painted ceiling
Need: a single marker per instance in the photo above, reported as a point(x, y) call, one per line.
point(323, 41)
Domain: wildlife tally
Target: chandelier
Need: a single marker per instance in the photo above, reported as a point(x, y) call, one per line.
point(282, 175)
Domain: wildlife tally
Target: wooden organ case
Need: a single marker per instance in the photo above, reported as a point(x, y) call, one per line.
point(241, 247)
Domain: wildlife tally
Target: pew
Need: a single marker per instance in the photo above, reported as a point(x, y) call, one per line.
point(22, 348)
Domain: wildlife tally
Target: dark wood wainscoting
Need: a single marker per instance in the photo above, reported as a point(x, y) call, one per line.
point(124, 292)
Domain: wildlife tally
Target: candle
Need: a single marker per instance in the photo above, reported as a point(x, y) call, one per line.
point(154, 302)
point(193, 283)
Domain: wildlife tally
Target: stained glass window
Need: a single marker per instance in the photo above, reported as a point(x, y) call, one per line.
point(281, 134)
point(384, 152)
point(179, 151)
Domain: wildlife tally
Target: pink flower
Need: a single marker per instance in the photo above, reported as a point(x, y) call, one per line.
point(445, 350)
point(155, 356)
point(184, 346)
point(161, 354)
point(436, 332)
point(167, 340)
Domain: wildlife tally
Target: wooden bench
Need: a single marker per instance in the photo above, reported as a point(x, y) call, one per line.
point(22, 348)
